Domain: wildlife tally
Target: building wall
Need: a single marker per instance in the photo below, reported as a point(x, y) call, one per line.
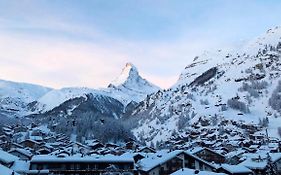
point(155, 171)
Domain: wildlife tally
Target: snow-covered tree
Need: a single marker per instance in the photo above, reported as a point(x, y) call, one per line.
point(238, 105)
point(275, 99)
point(271, 168)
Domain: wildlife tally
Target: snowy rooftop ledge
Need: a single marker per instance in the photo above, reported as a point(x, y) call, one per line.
point(187, 171)
point(79, 158)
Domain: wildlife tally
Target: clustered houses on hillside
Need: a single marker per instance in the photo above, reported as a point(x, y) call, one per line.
point(36, 150)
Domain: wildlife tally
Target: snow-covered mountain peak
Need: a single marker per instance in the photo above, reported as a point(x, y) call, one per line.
point(203, 63)
point(130, 86)
point(128, 72)
point(270, 38)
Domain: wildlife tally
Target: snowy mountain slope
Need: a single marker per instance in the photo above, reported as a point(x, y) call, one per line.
point(55, 98)
point(271, 37)
point(221, 85)
point(93, 105)
point(14, 96)
point(90, 116)
point(128, 87)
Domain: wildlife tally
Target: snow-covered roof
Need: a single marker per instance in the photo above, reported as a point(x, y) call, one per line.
point(236, 168)
point(6, 171)
point(30, 140)
point(237, 152)
point(275, 156)
point(79, 158)
point(20, 166)
point(195, 151)
point(152, 160)
point(22, 151)
point(7, 157)
point(259, 160)
point(36, 138)
point(187, 171)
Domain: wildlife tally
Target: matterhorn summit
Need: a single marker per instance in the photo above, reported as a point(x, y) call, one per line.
point(132, 85)
point(129, 72)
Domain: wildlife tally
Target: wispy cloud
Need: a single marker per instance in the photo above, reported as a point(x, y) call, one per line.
point(73, 43)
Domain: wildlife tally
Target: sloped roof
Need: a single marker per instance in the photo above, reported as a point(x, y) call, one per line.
point(6, 157)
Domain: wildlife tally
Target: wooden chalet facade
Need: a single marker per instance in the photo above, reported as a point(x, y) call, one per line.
point(172, 162)
point(210, 156)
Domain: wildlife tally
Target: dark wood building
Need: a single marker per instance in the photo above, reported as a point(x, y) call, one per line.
point(82, 164)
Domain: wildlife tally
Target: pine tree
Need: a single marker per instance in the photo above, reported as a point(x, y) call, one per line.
point(271, 167)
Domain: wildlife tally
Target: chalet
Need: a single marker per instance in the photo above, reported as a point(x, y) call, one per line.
point(257, 136)
point(58, 151)
point(234, 158)
point(30, 144)
point(82, 165)
point(274, 147)
point(5, 146)
point(207, 143)
point(4, 138)
point(8, 131)
point(44, 150)
point(77, 148)
point(210, 155)
point(50, 139)
point(164, 163)
point(111, 145)
point(21, 153)
point(47, 146)
point(147, 150)
point(234, 170)
point(212, 136)
point(258, 162)
point(76, 145)
point(63, 139)
point(20, 129)
point(254, 148)
point(132, 145)
point(55, 145)
point(160, 163)
point(95, 145)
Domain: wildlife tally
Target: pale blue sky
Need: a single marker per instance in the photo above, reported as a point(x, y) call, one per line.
point(86, 43)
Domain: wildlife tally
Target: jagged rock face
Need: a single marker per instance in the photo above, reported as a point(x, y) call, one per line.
point(128, 76)
point(234, 85)
point(131, 86)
